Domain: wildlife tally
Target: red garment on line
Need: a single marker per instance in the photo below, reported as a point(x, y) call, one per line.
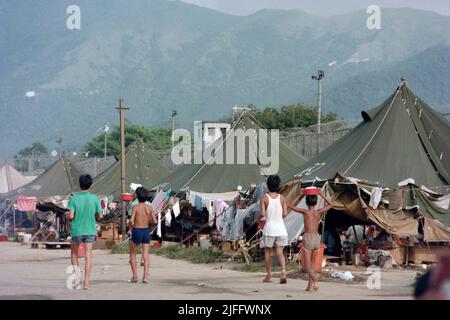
point(26, 203)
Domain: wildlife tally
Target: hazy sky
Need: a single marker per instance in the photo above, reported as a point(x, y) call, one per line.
point(318, 7)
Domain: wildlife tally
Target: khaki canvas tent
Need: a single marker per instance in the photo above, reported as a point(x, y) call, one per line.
point(401, 138)
point(59, 180)
point(11, 179)
point(142, 166)
point(224, 177)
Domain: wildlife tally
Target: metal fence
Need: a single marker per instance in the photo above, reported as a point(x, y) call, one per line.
point(306, 144)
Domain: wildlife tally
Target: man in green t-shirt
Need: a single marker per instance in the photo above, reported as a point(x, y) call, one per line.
point(84, 207)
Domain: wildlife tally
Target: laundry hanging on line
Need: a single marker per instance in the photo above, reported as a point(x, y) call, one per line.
point(26, 203)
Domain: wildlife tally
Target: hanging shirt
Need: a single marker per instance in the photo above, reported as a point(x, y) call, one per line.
point(176, 209)
point(219, 207)
point(211, 216)
point(198, 203)
point(158, 230)
point(168, 217)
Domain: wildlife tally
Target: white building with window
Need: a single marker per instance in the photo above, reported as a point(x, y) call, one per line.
point(213, 131)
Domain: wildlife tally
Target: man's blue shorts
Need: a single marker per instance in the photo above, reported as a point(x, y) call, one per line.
point(140, 235)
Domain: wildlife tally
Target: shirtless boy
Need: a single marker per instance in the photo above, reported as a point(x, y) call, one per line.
point(141, 216)
point(311, 237)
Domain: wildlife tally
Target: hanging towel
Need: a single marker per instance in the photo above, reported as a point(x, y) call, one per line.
point(158, 231)
point(221, 207)
point(176, 209)
point(198, 203)
point(26, 203)
point(191, 199)
point(218, 207)
point(375, 197)
point(168, 217)
point(159, 201)
point(210, 207)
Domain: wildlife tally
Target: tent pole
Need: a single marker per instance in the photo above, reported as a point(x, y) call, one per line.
point(14, 221)
point(354, 230)
point(323, 227)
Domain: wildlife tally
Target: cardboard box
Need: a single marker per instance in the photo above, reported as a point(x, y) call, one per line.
point(104, 244)
point(226, 246)
point(109, 232)
point(399, 254)
point(420, 255)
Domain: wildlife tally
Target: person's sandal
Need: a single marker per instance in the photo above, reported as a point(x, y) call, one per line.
point(133, 280)
point(268, 279)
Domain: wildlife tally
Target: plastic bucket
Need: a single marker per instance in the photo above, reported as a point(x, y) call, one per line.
point(81, 250)
point(317, 263)
point(20, 236)
point(205, 244)
point(26, 238)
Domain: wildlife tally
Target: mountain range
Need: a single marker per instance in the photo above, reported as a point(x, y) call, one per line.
point(161, 55)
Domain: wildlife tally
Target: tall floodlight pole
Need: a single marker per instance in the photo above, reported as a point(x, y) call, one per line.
point(236, 108)
point(106, 129)
point(320, 75)
point(122, 109)
point(59, 142)
point(174, 114)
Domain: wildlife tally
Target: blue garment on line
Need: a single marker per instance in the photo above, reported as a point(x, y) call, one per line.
point(198, 203)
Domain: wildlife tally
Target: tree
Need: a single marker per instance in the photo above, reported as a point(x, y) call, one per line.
point(36, 149)
point(290, 116)
point(154, 138)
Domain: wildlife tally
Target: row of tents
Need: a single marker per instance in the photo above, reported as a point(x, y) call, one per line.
point(402, 138)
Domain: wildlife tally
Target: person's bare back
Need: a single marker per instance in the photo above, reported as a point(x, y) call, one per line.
point(142, 216)
point(311, 216)
point(312, 219)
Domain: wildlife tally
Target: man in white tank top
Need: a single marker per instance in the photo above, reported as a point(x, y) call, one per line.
point(275, 236)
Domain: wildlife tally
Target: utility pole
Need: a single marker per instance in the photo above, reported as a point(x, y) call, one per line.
point(59, 142)
point(319, 77)
point(174, 114)
point(122, 109)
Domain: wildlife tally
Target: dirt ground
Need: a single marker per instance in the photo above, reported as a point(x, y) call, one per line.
point(41, 274)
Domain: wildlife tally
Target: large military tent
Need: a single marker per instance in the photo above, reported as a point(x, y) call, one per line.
point(142, 166)
point(11, 179)
point(214, 177)
point(60, 179)
point(401, 138)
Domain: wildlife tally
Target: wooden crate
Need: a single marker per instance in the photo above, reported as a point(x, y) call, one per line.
point(109, 232)
point(419, 255)
point(104, 244)
point(399, 254)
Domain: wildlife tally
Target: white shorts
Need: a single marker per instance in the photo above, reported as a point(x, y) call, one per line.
point(269, 241)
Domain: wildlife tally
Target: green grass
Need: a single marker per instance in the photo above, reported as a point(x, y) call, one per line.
point(260, 267)
point(191, 254)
